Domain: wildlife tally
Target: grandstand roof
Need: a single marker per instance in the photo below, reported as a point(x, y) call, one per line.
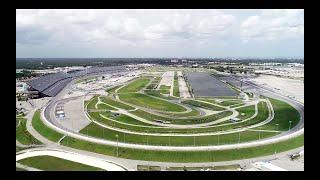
point(52, 84)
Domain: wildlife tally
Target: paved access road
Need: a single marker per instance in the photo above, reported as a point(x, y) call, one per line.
point(71, 156)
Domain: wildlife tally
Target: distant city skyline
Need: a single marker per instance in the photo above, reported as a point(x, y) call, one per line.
point(159, 33)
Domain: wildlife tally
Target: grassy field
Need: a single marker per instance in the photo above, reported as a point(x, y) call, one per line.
point(45, 131)
point(50, 163)
point(105, 107)
point(193, 112)
point(203, 105)
point(115, 103)
point(108, 134)
point(156, 129)
point(176, 91)
point(154, 83)
point(112, 90)
point(248, 111)
point(143, 100)
point(205, 119)
point(156, 93)
point(23, 136)
point(194, 156)
point(164, 89)
point(118, 118)
point(92, 103)
point(283, 114)
point(224, 103)
point(135, 86)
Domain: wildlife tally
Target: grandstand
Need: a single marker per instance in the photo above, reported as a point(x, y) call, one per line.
point(52, 84)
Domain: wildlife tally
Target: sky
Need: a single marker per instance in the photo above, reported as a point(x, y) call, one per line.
point(142, 33)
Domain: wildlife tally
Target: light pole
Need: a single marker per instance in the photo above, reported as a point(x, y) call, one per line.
point(218, 139)
point(239, 137)
point(117, 145)
point(290, 124)
point(277, 127)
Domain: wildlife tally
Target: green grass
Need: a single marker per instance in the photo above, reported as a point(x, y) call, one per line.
point(112, 90)
point(193, 156)
point(151, 128)
point(45, 131)
point(105, 107)
point(119, 118)
point(135, 86)
point(20, 169)
point(193, 112)
point(195, 120)
point(203, 105)
point(156, 93)
point(164, 89)
point(20, 148)
point(154, 83)
point(224, 103)
point(97, 131)
point(283, 114)
point(115, 103)
point(143, 100)
point(92, 103)
point(176, 91)
point(23, 136)
point(248, 112)
point(50, 163)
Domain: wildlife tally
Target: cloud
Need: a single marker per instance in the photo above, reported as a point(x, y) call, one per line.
point(273, 25)
point(188, 30)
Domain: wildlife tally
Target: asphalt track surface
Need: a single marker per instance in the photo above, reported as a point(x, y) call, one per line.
point(205, 85)
point(48, 111)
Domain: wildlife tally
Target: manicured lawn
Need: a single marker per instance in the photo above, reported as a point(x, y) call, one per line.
point(154, 83)
point(176, 91)
point(203, 105)
point(92, 103)
point(143, 100)
point(105, 107)
point(193, 156)
point(23, 136)
point(195, 120)
point(156, 93)
point(115, 103)
point(283, 114)
point(104, 133)
point(193, 112)
point(50, 163)
point(45, 131)
point(118, 118)
point(153, 128)
point(248, 111)
point(111, 90)
point(135, 86)
point(223, 103)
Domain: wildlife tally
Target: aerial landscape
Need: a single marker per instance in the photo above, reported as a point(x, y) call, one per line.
point(179, 90)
